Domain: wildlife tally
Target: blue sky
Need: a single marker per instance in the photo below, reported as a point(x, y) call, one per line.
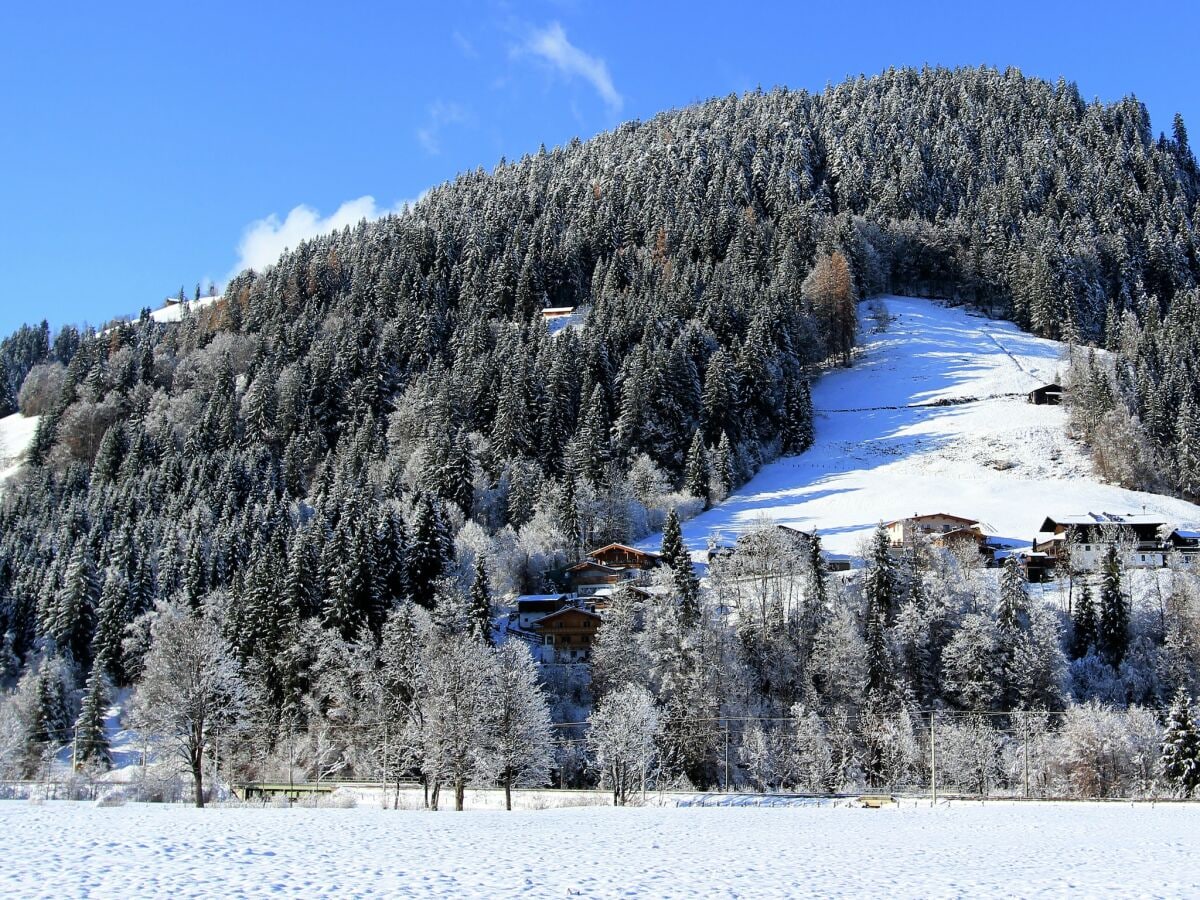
point(148, 145)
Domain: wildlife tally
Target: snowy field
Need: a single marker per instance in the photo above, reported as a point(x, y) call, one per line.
point(884, 451)
point(16, 434)
point(1117, 850)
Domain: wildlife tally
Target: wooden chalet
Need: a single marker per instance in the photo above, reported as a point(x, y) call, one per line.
point(550, 313)
point(1047, 395)
point(622, 556)
point(567, 635)
point(903, 533)
point(589, 576)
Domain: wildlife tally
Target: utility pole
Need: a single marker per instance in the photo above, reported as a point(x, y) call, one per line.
point(383, 782)
point(644, 751)
point(726, 757)
point(932, 759)
point(1025, 721)
point(217, 766)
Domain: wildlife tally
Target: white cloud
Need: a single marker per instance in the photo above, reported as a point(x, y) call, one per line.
point(264, 240)
point(441, 114)
point(551, 44)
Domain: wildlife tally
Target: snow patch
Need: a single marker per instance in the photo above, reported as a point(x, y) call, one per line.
point(16, 436)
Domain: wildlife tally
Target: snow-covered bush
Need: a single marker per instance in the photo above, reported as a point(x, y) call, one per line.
point(111, 797)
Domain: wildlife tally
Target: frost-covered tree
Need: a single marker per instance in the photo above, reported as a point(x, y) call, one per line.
point(519, 748)
point(190, 688)
point(1181, 746)
point(621, 738)
point(458, 710)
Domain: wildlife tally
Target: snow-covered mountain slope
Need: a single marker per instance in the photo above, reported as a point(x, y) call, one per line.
point(932, 417)
point(16, 434)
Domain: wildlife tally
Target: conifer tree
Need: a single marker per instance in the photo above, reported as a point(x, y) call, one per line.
point(881, 582)
point(91, 739)
point(1113, 629)
point(1086, 627)
point(428, 554)
point(722, 467)
point(696, 479)
point(479, 609)
point(1013, 611)
point(683, 574)
point(1180, 754)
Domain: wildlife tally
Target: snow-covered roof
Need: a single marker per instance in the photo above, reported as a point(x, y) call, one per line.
point(1106, 518)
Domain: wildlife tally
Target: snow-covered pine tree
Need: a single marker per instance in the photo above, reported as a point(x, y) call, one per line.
point(428, 554)
point(881, 583)
point(479, 607)
point(683, 573)
point(1113, 628)
point(722, 468)
point(1013, 611)
point(696, 477)
point(91, 739)
point(1085, 631)
point(1180, 752)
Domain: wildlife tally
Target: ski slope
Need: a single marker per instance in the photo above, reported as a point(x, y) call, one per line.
point(994, 850)
point(886, 449)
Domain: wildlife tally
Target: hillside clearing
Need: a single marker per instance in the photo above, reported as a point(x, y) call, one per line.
point(932, 417)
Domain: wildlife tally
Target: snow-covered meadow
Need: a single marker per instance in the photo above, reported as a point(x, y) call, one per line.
point(932, 417)
point(989, 850)
point(16, 434)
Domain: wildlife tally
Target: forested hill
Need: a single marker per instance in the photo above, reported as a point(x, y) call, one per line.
point(385, 406)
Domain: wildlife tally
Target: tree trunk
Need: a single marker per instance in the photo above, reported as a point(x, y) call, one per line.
point(459, 790)
point(508, 792)
point(433, 802)
point(198, 778)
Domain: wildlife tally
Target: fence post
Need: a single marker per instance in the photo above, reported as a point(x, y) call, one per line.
point(932, 758)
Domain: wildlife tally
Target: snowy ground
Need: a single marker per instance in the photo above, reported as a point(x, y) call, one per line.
point(884, 451)
point(16, 434)
point(1115, 850)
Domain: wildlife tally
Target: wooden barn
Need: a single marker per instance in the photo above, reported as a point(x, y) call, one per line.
point(1047, 395)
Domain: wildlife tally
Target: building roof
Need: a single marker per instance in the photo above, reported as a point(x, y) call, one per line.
point(922, 516)
point(536, 602)
point(1103, 518)
point(626, 547)
point(592, 564)
point(566, 610)
point(557, 310)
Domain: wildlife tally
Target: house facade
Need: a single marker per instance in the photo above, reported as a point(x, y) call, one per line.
point(1142, 541)
point(904, 533)
point(568, 635)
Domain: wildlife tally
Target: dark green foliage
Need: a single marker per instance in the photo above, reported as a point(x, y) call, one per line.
point(1085, 637)
point(479, 605)
point(1112, 632)
point(91, 740)
point(683, 574)
point(401, 365)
